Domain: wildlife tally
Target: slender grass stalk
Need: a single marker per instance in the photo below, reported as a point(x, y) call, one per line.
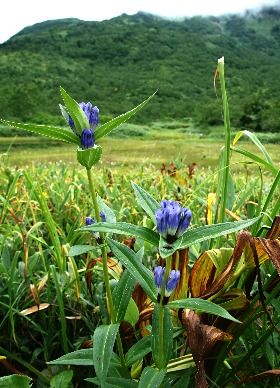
point(275, 210)
point(255, 347)
point(61, 310)
point(26, 364)
point(226, 152)
point(50, 223)
point(248, 317)
point(104, 264)
point(160, 314)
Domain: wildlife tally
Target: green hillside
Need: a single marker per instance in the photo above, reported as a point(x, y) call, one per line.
point(119, 62)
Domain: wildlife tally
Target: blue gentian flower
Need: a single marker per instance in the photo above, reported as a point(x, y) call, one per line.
point(103, 216)
point(172, 220)
point(87, 139)
point(172, 281)
point(92, 114)
point(159, 276)
point(89, 221)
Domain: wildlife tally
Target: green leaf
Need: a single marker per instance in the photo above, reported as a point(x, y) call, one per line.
point(15, 381)
point(122, 294)
point(56, 133)
point(75, 111)
point(77, 250)
point(256, 159)
point(114, 382)
point(62, 379)
point(256, 141)
point(106, 128)
point(202, 306)
point(132, 313)
point(146, 201)
point(124, 228)
point(139, 350)
point(203, 233)
point(230, 198)
point(109, 214)
point(129, 259)
point(82, 357)
point(151, 377)
point(161, 358)
point(103, 339)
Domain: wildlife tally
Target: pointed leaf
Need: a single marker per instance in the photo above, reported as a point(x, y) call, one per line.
point(256, 159)
point(56, 133)
point(203, 233)
point(138, 351)
point(129, 259)
point(122, 294)
point(124, 228)
point(106, 128)
point(103, 341)
point(151, 377)
point(75, 111)
point(256, 141)
point(202, 306)
point(146, 201)
point(82, 357)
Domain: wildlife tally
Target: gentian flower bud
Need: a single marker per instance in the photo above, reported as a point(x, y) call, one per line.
point(159, 276)
point(87, 139)
point(172, 282)
point(94, 117)
point(172, 220)
point(92, 114)
point(89, 221)
point(103, 216)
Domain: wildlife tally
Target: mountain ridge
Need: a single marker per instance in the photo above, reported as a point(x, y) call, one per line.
point(119, 62)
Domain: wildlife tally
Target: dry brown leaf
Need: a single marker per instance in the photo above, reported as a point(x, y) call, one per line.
point(259, 376)
point(220, 281)
point(201, 340)
point(35, 309)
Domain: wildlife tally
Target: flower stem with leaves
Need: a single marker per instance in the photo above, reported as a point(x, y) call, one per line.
point(111, 310)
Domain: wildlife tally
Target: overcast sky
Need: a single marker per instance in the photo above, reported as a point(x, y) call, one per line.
point(17, 14)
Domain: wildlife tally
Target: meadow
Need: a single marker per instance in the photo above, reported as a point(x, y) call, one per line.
point(104, 285)
point(160, 142)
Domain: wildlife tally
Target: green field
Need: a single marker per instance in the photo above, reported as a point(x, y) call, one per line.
point(56, 277)
point(146, 146)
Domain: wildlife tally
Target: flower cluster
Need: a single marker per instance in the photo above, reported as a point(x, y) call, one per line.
point(171, 282)
point(92, 114)
point(172, 220)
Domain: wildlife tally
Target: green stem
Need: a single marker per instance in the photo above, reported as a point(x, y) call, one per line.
point(226, 155)
point(59, 293)
point(25, 364)
point(111, 310)
point(275, 186)
point(247, 317)
point(160, 315)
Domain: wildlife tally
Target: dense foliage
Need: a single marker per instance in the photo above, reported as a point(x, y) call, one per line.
point(133, 291)
point(101, 61)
